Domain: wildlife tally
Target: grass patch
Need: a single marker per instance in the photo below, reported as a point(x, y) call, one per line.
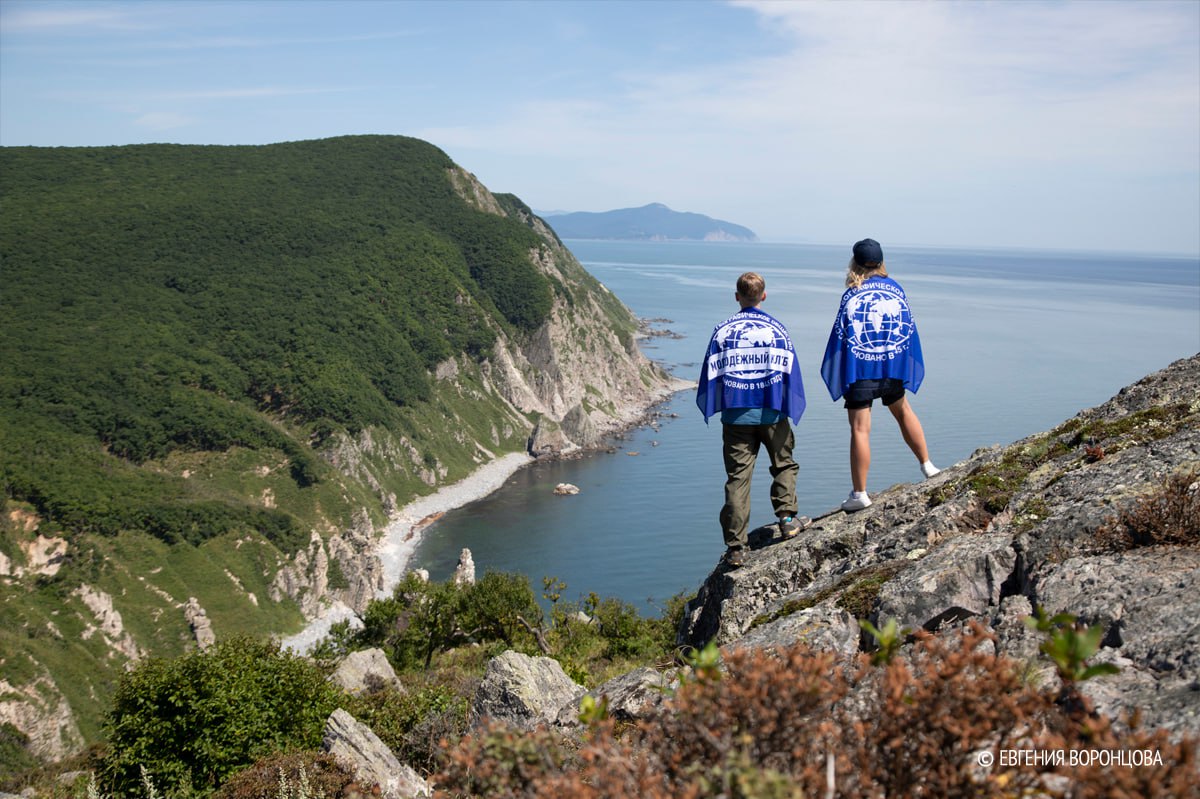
point(856, 592)
point(995, 484)
point(1030, 514)
point(859, 598)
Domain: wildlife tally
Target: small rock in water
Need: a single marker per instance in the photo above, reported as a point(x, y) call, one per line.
point(563, 489)
point(465, 573)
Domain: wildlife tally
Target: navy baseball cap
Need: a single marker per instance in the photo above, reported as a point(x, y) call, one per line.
point(868, 251)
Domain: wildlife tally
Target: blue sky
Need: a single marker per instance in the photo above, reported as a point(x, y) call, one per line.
point(958, 124)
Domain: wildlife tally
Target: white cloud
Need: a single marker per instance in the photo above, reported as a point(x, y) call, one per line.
point(996, 122)
point(995, 112)
point(26, 19)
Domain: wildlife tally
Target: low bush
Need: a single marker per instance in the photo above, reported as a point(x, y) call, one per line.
point(422, 619)
point(1170, 515)
point(272, 777)
point(590, 639)
point(14, 751)
point(413, 724)
point(794, 723)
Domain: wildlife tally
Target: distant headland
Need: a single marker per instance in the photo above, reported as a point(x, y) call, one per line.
point(653, 222)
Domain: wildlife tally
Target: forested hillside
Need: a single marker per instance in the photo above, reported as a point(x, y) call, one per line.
point(161, 298)
point(212, 353)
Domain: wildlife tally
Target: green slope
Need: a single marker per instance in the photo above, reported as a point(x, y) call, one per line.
point(189, 338)
point(159, 299)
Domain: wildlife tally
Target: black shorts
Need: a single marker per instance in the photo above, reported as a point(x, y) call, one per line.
point(863, 392)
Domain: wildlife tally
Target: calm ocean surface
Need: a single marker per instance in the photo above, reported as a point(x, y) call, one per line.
point(1014, 343)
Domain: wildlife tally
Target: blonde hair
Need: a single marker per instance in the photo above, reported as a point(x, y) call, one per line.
point(750, 287)
point(856, 274)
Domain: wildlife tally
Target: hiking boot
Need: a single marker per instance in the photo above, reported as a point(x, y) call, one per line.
point(929, 470)
point(735, 557)
point(790, 525)
point(856, 501)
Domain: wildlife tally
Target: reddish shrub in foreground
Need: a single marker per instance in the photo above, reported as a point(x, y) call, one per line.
point(768, 711)
point(1169, 515)
point(793, 723)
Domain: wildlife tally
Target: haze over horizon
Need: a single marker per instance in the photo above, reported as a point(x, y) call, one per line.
point(1072, 125)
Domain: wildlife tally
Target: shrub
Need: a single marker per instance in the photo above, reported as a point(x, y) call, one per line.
point(1069, 645)
point(498, 762)
point(193, 721)
point(15, 756)
point(268, 778)
point(421, 619)
point(598, 638)
point(793, 722)
point(413, 724)
point(1169, 515)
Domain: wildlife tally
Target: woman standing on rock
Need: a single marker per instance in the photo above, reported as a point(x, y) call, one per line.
point(874, 352)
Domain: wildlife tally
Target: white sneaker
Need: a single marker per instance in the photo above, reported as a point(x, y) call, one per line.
point(856, 501)
point(929, 470)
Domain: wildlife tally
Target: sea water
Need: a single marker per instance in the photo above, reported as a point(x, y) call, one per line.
point(1014, 343)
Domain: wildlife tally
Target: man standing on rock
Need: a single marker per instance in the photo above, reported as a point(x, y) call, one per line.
point(751, 376)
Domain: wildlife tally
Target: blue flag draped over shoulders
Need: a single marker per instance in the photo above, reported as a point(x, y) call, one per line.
point(750, 363)
point(874, 337)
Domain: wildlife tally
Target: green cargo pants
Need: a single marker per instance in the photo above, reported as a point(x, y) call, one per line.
point(741, 444)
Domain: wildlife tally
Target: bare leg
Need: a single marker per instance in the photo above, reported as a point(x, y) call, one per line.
point(910, 428)
point(860, 446)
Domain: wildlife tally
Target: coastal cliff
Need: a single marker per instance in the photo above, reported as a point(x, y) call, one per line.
point(233, 366)
point(561, 388)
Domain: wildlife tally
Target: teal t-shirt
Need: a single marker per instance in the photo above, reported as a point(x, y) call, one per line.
point(750, 416)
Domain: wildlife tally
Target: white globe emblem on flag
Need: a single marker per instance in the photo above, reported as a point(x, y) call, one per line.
point(751, 350)
point(879, 322)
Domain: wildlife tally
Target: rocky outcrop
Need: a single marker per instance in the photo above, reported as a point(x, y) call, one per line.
point(200, 624)
point(341, 568)
point(40, 556)
point(1009, 529)
point(989, 540)
point(627, 697)
point(39, 709)
point(366, 671)
point(109, 623)
point(581, 372)
point(369, 759)
point(524, 691)
point(464, 572)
